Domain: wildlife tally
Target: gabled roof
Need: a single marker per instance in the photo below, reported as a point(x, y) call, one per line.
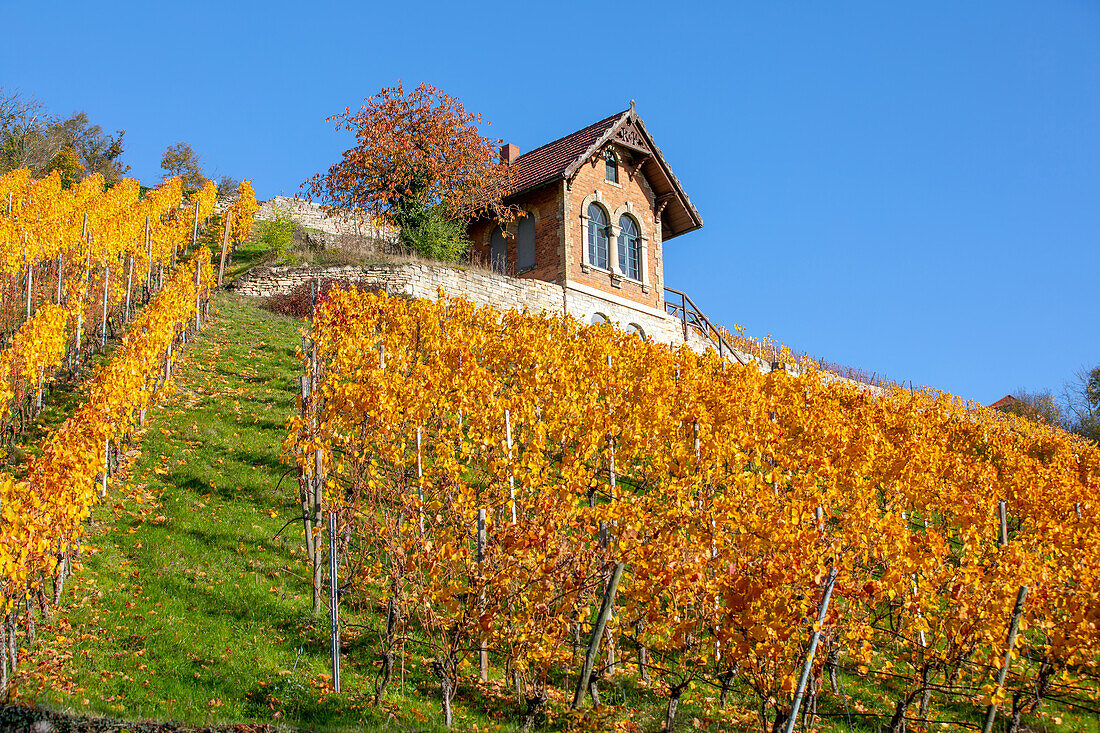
point(1016, 406)
point(1006, 401)
point(550, 162)
point(563, 157)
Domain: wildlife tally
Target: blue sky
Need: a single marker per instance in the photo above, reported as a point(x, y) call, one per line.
point(911, 190)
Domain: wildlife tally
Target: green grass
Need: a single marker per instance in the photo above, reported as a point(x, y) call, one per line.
point(190, 605)
point(187, 605)
point(249, 254)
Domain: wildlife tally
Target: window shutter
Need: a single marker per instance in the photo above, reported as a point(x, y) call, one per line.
point(526, 243)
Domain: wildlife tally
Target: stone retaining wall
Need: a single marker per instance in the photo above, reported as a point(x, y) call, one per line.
point(502, 292)
point(310, 215)
point(485, 289)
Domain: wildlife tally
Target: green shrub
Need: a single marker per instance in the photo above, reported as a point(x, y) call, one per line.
point(426, 231)
point(278, 233)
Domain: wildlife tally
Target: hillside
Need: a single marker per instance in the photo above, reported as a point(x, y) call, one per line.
point(186, 606)
point(190, 601)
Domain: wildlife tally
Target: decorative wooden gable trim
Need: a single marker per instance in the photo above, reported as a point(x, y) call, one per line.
point(629, 131)
point(564, 157)
point(594, 149)
point(631, 138)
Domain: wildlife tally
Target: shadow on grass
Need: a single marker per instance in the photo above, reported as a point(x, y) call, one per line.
point(268, 459)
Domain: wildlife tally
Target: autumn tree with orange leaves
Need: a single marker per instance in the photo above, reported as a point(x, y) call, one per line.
point(420, 163)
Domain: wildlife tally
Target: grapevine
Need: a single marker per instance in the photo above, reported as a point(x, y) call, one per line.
point(724, 496)
point(95, 253)
point(42, 514)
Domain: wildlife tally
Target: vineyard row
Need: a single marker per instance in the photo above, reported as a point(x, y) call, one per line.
point(75, 264)
point(515, 490)
point(43, 514)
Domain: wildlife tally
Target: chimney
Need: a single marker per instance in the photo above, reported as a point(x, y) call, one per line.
point(508, 153)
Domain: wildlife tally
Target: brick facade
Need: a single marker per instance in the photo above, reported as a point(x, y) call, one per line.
point(544, 207)
point(559, 210)
point(631, 196)
point(557, 183)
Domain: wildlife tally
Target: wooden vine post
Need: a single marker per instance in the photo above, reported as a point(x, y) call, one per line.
point(198, 294)
point(194, 231)
point(318, 484)
point(597, 634)
point(129, 286)
point(305, 482)
point(483, 650)
point(807, 666)
point(516, 677)
point(607, 533)
point(419, 481)
point(511, 478)
point(106, 294)
point(312, 495)
point(83, 304)
point(333, 603)
point(106, 468)
point(1001, 514)
point(225, 247)
point(1013, 630)
point(149, 274)
point(30, 282)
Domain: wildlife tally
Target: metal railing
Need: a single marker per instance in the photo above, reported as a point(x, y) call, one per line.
point(679, 305)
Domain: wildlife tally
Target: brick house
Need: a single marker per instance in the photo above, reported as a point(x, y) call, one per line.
point(599, 205)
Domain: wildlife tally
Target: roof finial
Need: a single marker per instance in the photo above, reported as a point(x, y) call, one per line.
point(632, 107)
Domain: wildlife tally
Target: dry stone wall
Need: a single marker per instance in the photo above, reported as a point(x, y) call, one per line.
point(312, 216)
point(418, 280)
point(485, 289)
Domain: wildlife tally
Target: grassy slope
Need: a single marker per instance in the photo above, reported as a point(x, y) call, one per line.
point(188, 607)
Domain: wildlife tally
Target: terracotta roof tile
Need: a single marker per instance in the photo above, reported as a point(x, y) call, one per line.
point(549, 162)
point(1005, 401)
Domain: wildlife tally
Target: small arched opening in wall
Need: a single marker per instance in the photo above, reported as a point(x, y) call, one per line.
point(639, 330)
point(598, 318)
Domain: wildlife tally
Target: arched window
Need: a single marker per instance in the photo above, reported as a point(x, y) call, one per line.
point(498, 251)
point(630, 248)
point(525, 244)
point(598, 318)
point(611, 166)
point(640, 331)
point(597, 237)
